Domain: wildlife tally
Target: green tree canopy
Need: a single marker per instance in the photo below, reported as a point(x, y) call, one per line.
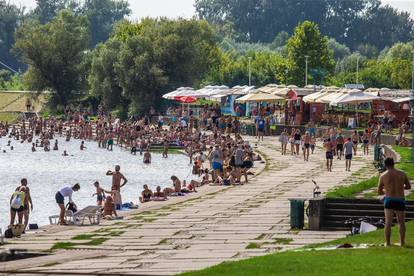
point(308, 41)
point(151, 58)
point(352, 23)
point(55, 53)
point(10, 18)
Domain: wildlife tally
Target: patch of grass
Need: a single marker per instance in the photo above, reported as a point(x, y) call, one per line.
point(261, 237)
point(63, 245)
point(96, 242)
point(149, 219)
point(116, 233)
point(282, 241)
point(84, 237)
point(253, 245)
point(10, 117)
point(70, 245)
point(371, 261)
point(163, 241)
point(407, 160)
point(352, 190)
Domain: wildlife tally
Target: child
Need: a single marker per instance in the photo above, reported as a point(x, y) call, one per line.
point(109, 208)
point(100, 194)
point(313, 144)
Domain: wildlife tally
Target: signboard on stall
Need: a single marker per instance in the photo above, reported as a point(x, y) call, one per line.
point(351, 123)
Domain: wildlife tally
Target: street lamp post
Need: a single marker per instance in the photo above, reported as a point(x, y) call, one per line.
point(250, 71)
point(357, 72)
point(306, 71)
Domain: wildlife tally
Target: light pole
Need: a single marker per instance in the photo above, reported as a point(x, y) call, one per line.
point(286, 72)
point(250, 71)
point(306, 71)
point(357, 72)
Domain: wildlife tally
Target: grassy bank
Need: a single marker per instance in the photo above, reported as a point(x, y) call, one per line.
point(10, 117)
point(354, 189)
point(406, 164)
point(375, 260)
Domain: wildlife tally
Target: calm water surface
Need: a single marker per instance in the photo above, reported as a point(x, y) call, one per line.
point(47, 172)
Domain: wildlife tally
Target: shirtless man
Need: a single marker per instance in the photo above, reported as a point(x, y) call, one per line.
point(392, 184)
point(117, 176)
point(306, 143)
point(329, 154)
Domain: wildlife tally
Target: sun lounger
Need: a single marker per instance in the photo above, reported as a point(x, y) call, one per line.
point(92, 213)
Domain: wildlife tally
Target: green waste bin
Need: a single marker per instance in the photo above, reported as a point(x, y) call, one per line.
point(297, 213)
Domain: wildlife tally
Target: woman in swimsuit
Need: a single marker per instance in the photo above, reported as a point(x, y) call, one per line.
point(146, 195)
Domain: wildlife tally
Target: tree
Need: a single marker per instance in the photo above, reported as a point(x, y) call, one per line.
point(102, 15)
point(339, 50)
point(351, 23)
point(10, 18)
point(280, 40)
point(151, 58)
point(55, 53)
point(403, 51)
point(46, 10)
point(308, 41)
point(266, 67)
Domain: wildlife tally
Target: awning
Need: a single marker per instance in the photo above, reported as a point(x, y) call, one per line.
point(259, 97)
point(354, 96)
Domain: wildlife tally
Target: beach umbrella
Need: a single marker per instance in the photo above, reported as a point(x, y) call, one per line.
point(186, 99)
point(259, 97)
point(354, 97)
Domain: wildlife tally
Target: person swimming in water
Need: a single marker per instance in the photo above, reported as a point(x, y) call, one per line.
point(147, 157)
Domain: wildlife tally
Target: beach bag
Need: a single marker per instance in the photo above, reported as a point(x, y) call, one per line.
point(17, 230)
point(8, 234)
point(16, 202)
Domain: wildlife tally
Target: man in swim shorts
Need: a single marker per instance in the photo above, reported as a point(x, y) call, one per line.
point(392, 184)
point(348, 147)
point(117, 176)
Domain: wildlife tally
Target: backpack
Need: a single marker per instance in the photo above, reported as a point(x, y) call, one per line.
point(16, 202)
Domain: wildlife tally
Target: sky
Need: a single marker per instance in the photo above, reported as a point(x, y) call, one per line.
point(185, 8)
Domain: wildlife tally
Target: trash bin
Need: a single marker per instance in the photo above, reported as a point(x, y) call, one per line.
point(297, 213)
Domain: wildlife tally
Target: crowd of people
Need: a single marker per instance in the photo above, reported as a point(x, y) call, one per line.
point(216, 150)
point(213, 143)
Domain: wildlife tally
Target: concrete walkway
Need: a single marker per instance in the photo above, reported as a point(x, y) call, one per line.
point(226, 224)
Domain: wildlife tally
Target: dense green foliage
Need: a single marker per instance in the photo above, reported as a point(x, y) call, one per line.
point(55, 53)
point(10, 16)
point(353, 23)
point(375, 260)
point(101, 16)
point(307, 41)
point(142, 61)
point(130, 69)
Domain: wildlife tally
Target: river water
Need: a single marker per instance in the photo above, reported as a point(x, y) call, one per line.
point(47, 172)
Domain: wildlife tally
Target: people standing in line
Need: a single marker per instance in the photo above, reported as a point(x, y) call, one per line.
point(392, 184)
point(66, 191)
